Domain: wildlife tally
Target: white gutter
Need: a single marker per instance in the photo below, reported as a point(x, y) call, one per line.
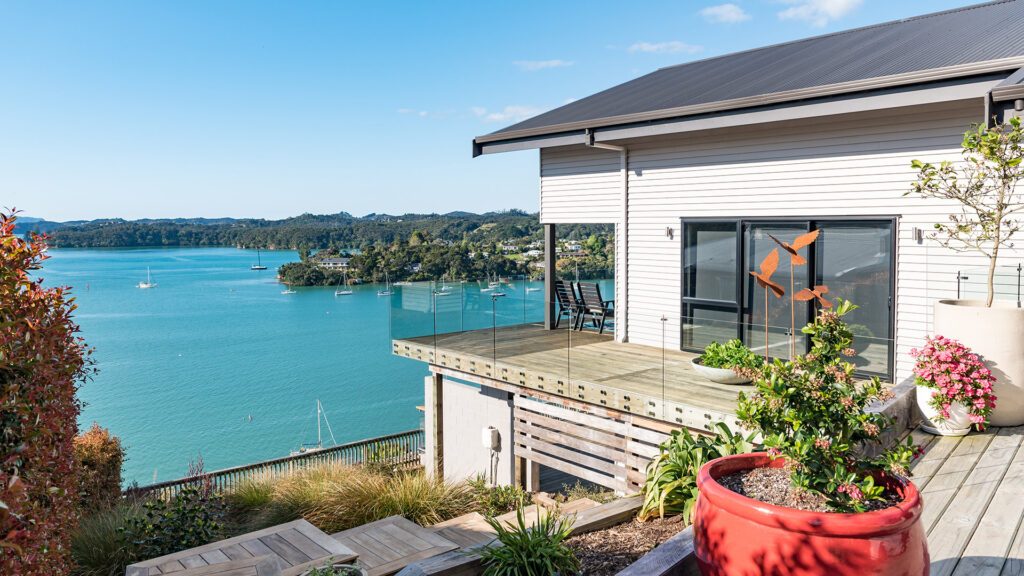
point(622, 277)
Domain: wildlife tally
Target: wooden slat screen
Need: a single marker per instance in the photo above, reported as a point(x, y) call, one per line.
point(611, 450)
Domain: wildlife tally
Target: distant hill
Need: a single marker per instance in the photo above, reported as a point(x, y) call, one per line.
point(309, 231)
point(26, 224)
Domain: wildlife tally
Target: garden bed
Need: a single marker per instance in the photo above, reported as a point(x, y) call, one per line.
point(606, 552)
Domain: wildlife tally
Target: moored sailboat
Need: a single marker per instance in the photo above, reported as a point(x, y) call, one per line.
point(387, 286)
point(148, 283)
point(307, 447)
point(259, 262)
point(343, 289)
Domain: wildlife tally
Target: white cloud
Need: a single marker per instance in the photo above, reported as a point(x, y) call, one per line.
point(675, 46)
point(512, 113)
point(818, 12)
point(414, 112)
point(534, 65)
point(725, 14)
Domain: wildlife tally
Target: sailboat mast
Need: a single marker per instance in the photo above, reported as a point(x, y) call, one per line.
point(319, 442)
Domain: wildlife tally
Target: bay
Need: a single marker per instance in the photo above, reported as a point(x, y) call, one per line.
point(216, 362)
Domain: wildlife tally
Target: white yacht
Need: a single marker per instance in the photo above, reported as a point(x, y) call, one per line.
point(148, 283)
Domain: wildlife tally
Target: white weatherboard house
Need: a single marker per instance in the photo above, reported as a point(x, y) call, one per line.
point(695, 165)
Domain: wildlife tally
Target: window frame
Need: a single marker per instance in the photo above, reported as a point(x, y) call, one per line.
point(739, 306)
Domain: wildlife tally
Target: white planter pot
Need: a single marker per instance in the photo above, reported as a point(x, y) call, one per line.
point(958, 423)
point(720, 375)
point(996, 334)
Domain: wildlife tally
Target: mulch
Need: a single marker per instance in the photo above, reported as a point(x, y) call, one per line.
point(606, 552)
point(773, 486)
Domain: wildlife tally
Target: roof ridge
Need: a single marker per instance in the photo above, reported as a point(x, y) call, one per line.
point(847, 31)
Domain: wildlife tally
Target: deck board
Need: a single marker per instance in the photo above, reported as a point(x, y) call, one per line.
point(294, 546)
point(392, 543)
point(973, 491)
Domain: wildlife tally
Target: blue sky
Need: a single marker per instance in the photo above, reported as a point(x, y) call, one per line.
point(270, 109)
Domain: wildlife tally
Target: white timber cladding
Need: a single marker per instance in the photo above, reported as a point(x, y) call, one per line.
point(580, 185)
point(843, 165)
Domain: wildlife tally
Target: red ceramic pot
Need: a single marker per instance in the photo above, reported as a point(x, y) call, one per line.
point(735, 535)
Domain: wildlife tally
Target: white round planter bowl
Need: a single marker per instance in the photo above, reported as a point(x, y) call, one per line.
point(958, 423)
point(997, 335)
point(719, 375)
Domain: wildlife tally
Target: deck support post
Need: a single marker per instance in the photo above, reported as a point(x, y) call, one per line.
point(532, 476)
point(433, 402)
point(550, 275)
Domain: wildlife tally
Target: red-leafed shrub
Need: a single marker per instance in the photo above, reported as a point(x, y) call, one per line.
point(41, 363)
point(100, 455)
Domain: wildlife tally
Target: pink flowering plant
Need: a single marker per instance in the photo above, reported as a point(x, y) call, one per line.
point(813, 412)
point(957, 376)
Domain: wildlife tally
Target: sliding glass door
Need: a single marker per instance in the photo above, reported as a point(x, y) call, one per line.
point(855, 261)
point(711, 282)
point(721, 298)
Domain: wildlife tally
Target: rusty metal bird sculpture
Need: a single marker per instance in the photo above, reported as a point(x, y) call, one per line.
point(764, 280)
point(816, 293)
point(795, 259)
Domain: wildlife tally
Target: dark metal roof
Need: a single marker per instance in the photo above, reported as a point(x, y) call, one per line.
point(1010, 89)
point(961, 42)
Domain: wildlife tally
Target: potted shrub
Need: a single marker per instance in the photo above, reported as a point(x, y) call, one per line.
point(985, 186)
point(954, 388)
point(816, 502)
point(729, 363)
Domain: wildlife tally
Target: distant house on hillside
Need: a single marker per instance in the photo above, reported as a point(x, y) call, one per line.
point(334, 263)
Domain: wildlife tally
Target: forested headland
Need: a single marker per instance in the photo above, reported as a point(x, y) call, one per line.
point(455, 246)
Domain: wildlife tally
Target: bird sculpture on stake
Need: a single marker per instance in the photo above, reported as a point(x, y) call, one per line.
point(816, 293)
point(764, 280)
point(795, 259)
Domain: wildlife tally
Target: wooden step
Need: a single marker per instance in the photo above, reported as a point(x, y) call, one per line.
point(468, 531)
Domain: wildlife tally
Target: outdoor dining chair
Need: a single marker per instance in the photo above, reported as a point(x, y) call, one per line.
point(568, 304)
point(593, 307)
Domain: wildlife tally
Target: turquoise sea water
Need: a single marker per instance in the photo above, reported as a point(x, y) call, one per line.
point(183, 366)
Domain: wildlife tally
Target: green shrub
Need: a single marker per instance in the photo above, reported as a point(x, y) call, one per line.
point(813, 412)
point(385, 458)
point(336, 497)
point(732, 354)
point(671, 485)
point(538, 549)
point(251, 494)
point(497, 500)
point(578, 491)
point(99, 455)
point(98, 546)
point(191, 518)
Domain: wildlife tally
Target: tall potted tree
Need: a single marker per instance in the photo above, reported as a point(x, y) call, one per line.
point(984, 185)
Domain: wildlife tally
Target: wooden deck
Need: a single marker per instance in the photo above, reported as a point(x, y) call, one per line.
point(973, 490)
point(585, 366)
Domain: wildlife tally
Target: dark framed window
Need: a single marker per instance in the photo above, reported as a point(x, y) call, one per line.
point(854, 257)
